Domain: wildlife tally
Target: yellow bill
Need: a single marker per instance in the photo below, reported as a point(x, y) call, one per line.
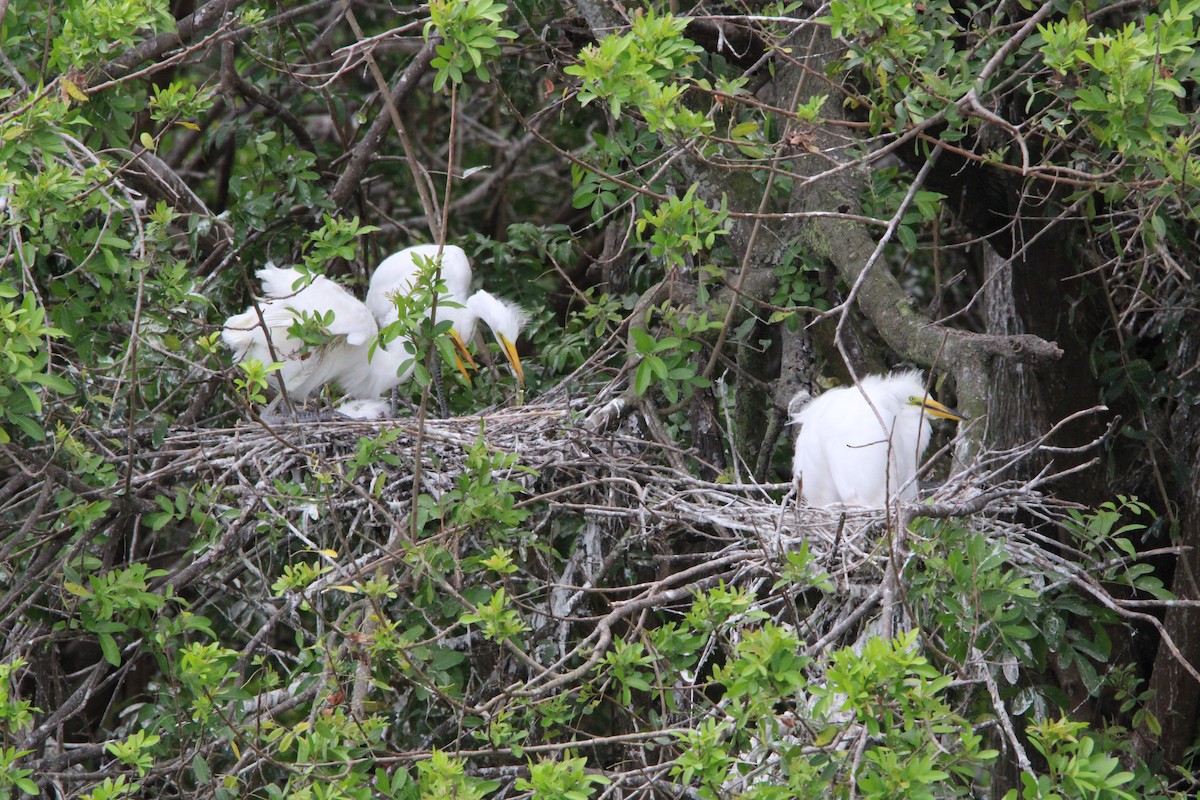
point(935, 409)
point(462, 358)
point(510, 352)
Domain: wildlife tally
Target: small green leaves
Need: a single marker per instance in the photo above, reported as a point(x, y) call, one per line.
point(499, 622)
point(1076, 765)
point(13, 776)
point(443, 776)
point(136, 751)
point(682, 225)
point(251, 386)
point(643, 69)
point(24, 364)
point(565, 779)
point(471, 32)
point(337, 237)
point(667, 362)
point(112, 603)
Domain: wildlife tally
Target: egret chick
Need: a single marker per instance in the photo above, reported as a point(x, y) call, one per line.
point(398, 274)
point(845, 455)
point(504, 317)
point(346, 359)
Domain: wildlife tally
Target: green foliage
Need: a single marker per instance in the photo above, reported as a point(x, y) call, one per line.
point(893, 691)
point(682, 225)
point(114, 602)
point(91, 30)
point(137, 751)
point(442, 777)
point(705, 759)
point(799, 285)
point(766, 668)
point(595, 186)
point(906, 55)
point(14, 777)
point(413, 329)
point(15, 715)
point(586, 331)
point(355, 634)
point(561, 779)
point(1076, 767)
point(471, 32)
point(112, 789)
point(252, 385)
point(978, 596)
point(24, 364)
point(888, 188)
point(371, 452)
point(205, 673)
point(180, 102)
point(498, 621)
point(480, 496)
point(643, 70)
point(667, 363)
point(627, 666)
point(336, 238)
point(1132, 77)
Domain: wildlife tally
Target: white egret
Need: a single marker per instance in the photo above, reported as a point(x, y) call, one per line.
point(852, 454)
point(346, 359)
point(398, 274)
point(505, 319)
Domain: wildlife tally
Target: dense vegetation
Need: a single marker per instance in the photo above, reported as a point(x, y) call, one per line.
point(600, 584)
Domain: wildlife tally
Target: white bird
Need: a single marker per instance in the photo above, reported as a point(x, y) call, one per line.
point(346, 359)
point(504, 317)
point(397, 274)
point(847, 453)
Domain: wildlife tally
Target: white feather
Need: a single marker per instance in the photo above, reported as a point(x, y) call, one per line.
point(346, 359)
point(852, 452)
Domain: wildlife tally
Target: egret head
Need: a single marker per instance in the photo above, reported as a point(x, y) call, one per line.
point(910, 385)
point(506, 319)
point(935, 409)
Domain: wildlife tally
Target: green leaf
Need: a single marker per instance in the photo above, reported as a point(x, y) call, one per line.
point(200, 769)
point(642, 378)
point(112, 653)
point(643, 342)
point(29, 426)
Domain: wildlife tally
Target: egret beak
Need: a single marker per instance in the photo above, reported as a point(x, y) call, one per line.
point(935, 409)
point(462, 358)
point(510, 352)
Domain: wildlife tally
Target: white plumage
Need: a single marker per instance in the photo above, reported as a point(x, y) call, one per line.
point(345, 360)
point(397, 274)
point(848, 454)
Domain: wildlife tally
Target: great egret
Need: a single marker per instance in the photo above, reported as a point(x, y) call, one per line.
point(504, 317)
point(847, 453)
point(346, 359)
point(398, 274)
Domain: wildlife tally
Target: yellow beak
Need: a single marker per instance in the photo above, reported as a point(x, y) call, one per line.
point(935, 409)
point(510, 352)
point(462, 359)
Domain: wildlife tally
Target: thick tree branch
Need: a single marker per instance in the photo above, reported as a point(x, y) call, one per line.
point(372, 140)
point(186, 30)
